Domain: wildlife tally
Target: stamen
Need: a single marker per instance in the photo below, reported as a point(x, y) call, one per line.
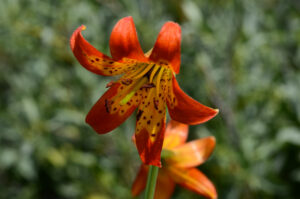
point(144, 72)
point(148, 85)
point(156, 103)
point(139, 114)
point(154, 72)
point(158, 81)
point(126, 81)
point(108, 104)
point(137, 71)
point(110, 84)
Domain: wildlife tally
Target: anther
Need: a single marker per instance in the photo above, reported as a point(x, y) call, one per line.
point(148, 85)
point(155, 102)
point(126, 81)
point(139, 114)
point(110, 84)
point(108, 104)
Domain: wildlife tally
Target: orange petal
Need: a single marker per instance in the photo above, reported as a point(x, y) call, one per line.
point(124, 41)
point(107, 113)
point(187, 110)
point(167, 45)
point(176, 134)
point(164, 185)
point(193, 180)
point(193, 153)
point(140, 181)
point(93, 60)
point(150, 127)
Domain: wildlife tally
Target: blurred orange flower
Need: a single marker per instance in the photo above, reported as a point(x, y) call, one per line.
point(148, 84)
point(179, 162)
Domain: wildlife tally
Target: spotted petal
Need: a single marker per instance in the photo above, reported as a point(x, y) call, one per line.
point(193, 180)
point(109, 111)
point(193, 153)
point(150, 127)
point(93, 60)
point(187, 110)
point(124, 41)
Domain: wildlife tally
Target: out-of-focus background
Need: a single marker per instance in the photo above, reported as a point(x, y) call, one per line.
point(241, 56)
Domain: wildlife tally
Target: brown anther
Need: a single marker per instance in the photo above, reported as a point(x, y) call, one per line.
point(148, 85)
point(126, 81)
point(139, 114)
point(110, 84)
point(108, 104)
point(155, 102)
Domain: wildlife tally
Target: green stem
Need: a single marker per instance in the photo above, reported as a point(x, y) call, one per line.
point(151, 182)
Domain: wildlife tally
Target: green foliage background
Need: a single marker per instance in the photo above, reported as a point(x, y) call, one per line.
point(241, 56)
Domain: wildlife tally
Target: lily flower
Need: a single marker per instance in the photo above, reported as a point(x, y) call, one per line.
point(179, 162)
point(147, 83)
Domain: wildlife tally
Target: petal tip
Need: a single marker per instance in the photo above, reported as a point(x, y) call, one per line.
point(212, 138)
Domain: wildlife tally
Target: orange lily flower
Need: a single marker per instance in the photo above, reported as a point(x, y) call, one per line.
point(148, 84)
point(179, 162)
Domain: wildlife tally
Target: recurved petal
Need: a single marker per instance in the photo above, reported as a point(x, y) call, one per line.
point(88, 56)
point(167, 45)
point(140, 181)
point(193, 180)
point(187, 110)
point(193, 153)
point(176, 134)
point(106, 115)
point(124, 41)
point(164, 185)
